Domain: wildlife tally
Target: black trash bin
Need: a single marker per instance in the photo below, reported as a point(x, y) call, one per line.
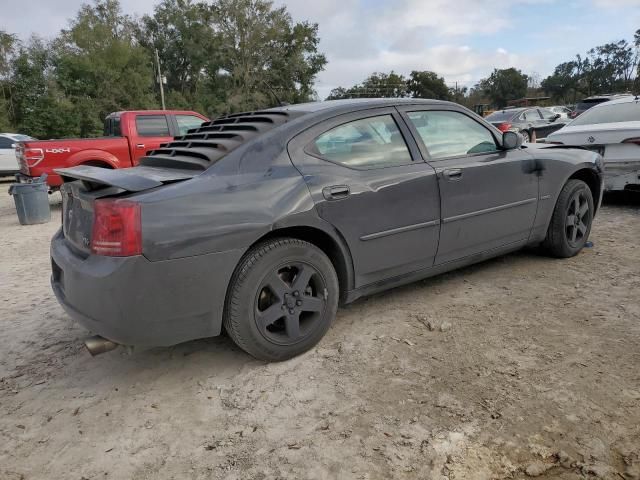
point(32, 201)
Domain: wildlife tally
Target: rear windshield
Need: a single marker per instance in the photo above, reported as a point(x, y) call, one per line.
point(112, 127)
point(618, 112)
point(587, 104)
point(501, 116)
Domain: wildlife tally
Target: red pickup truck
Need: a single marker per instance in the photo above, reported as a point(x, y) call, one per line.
point(128, 136)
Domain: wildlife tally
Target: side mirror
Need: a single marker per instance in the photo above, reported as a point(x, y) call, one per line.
point(555, 117)
point(511, 140)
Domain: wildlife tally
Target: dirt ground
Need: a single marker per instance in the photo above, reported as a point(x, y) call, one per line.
point(522, 366)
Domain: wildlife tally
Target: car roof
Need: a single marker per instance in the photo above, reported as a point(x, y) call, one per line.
point(356, 104)
point(617, 101)
point(13, 135)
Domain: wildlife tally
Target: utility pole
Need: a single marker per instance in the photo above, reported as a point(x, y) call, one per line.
point(160, 80)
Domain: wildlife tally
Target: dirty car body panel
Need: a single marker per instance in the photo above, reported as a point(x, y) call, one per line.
point(208, 197)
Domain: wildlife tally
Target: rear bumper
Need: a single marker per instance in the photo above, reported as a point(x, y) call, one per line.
point(133, 301)
point(619, 178)
point(27, 175)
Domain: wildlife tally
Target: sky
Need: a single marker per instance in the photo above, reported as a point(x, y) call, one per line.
point(461, 40)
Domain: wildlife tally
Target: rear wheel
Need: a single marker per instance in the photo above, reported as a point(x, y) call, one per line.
point(282, 299)
point(571, 221)
point(525, 135)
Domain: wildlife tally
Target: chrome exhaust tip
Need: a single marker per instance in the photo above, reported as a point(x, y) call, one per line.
point(97, 345)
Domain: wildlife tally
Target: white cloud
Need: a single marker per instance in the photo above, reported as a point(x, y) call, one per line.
point(360, 38)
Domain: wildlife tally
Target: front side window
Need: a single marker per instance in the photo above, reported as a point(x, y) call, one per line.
point(451, 134)
point(6, 142)
point(374, 142)
point(187, 122)
point(152, 126)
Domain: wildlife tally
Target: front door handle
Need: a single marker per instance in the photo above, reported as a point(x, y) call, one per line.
point(452, 174)
point(140, 145)
point(336, 192)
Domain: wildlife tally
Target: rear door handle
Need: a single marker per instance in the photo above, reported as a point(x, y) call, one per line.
point(452, 174)
point(336, 192)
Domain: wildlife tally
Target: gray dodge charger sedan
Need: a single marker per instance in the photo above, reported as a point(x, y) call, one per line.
point(262, 223)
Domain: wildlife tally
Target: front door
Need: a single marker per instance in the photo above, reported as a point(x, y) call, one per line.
point(489, 195)
point(368, 179)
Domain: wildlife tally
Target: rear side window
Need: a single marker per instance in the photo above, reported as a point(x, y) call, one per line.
point(187, 122)
point(531, 115)
point(374, 142)
point(152, 126)
point(451, 134)
point(6, 142)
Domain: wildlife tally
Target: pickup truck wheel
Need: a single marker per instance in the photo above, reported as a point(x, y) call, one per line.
point(282, 299)
point(571, 221)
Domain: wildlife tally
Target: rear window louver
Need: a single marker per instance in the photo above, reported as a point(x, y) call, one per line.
point(203, 146)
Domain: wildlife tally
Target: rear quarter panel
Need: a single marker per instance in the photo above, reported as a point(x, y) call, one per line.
point(248, 193)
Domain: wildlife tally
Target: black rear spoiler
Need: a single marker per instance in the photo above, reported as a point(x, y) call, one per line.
point(135, 179)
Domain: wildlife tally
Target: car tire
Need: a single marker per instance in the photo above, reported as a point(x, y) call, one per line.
point(526, 138)
point(282, 299)
point(571, 221)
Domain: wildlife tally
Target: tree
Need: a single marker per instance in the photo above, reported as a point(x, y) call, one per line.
point(8, 44)
point(264, 52)
point(505, 85)
point(100, 67)
point(428, 85)
point(182, 33)
point(376, 85)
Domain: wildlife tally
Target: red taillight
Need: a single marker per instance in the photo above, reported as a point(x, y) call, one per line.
point(33, 156)
point(117, 228)
point(504, 127)
point(632, 140)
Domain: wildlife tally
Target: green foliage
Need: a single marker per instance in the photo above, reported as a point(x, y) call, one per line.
point(609, 68)
point(216, 58)
point(377, 85)
point(505, 85)
point(428, 85)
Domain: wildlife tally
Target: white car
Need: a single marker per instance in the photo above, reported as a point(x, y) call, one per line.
point(613, 130)
point(8, 160)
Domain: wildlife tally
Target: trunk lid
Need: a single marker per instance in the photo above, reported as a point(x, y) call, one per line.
point(84, 185)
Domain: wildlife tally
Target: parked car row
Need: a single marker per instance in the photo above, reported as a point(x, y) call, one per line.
point(612, 129)
point(533, 122)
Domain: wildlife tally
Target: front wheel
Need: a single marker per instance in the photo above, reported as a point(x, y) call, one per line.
point(282, 299)
point(571, 221)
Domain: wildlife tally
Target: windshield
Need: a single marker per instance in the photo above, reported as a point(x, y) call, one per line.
point(502, 116)
point(618, 112)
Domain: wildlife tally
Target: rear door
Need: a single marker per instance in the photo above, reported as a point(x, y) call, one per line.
point(151, 131)
point(368, 179)
point(489, 196)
